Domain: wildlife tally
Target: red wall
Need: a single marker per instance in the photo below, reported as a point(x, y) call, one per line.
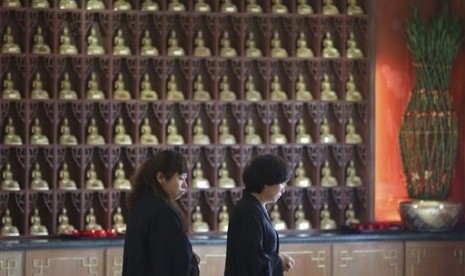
point(393, 80)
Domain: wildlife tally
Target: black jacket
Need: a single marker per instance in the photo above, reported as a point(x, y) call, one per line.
point(253, 243)
point(155, 242)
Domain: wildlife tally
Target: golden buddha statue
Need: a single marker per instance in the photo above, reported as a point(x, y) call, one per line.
point(277, 94)
point(11, 4)
point(36, 228)
point(9, 46)
point(8, 182)
point(329, 8)
point(278, 7)
point(95, 5)
point(147, 137)
point(9, 92)
point(327, 94)
point(40, 4)
point(91, 221)
point(200, 138)
point(226, 49)
point(173, 93)
point(173, 48)
point(39, 46)
point(224, 180)
point(276, 220)
point(251, 48)
point(327, 180)
point(276, 136)
point(223, 219)
point(37, 183)
point(65, 182)
point(352, 50)
point(8, 229)
point(94, 93)
point(121, 138)
point(120, 92)
point(202, 6)
point(301, 136)
point(326, 222)
point(64, 227)
point(276, 50)
point(302, 49)
point(93, 137)
point(303, 8)
point(11, 138)
point(176, 6)
point(301, 93)
point(352, 179)
point(119, 47)
point(251, 94)
point(225, 92)
point(198, 225)
point(66, 91)
point(68, 5)
point(200, 50)
point(225, 137)
point(38, 93)
point(350, 216)
point(173, 137)
point(92, 181)
point(37, 138)
point(352, 137)
point(353, 8)
point(253, 7)
point(118, 221)
point(147, 93)
point(149, 5)
point(200, 94)
point(120, 181)
point(122, 5)
point(251, 138)
point(326, 137)
point(300, 222)
point(228, 7)
point(329, 51)
point(301, 180)
point(66, 47)
point(352, 94)
point(93, 43)
point(147, 49)
point(66, 138)
point(198, 181)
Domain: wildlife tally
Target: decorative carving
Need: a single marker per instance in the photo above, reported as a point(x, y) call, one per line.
point(317, 196)
point(343, 154)
point(342, 195)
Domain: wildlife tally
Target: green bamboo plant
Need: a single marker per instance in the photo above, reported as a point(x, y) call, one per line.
point(429, 130)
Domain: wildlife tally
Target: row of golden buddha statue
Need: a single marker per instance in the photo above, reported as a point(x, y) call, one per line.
point(147, 137)
point(198, 223)
point(64, 226)
point(120, 181)
point(120, 47)
point(227, 6)
point(120, 92)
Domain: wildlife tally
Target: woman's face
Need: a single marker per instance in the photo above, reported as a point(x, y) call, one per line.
point(272, 193)
point(175, 186)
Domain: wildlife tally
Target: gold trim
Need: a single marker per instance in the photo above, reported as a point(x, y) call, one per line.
point(319, 258)
point(7, 266)
point(390, 255)
point(90, 263)
point(117, 265)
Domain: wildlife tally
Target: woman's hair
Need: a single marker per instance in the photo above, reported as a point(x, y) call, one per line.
point(168, 162)
point(265, 170)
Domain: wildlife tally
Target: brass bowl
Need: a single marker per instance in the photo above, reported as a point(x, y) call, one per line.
point(430, 215)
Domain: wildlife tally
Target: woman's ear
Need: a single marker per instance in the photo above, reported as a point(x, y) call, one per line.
point(161, 177)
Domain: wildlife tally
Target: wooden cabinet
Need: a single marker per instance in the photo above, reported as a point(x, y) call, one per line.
point(11, 263)
point(434, 258)
point(365, 258)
